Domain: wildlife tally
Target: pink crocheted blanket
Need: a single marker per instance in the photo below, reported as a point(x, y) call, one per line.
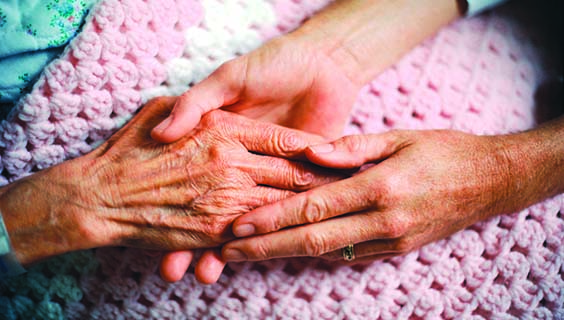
point(477, 75)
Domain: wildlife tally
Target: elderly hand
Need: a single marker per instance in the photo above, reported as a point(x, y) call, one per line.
point(133, 191)
point(423, 186)
point(307, 79)
point(288, 81)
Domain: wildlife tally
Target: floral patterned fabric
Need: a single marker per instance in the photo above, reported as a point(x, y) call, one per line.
point(32, 33)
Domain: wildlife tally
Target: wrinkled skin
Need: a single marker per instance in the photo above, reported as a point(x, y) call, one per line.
point(424, 186)
point(287, 81)
point(133, 191)
point(419, 192)
point(307, 79)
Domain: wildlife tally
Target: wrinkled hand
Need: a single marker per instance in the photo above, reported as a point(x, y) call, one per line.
point(287, 81)
point(133, 191)
point(424, 186)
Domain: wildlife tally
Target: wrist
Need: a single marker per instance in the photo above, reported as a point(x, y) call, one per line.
point(533, 163)
point(329, 33)
point(41, 214)
point(541, 152)
point(364, 37)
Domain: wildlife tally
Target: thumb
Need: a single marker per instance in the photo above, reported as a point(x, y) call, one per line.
point(175, 264)
point(209, 267)
point(221, 88)
point(354, 151)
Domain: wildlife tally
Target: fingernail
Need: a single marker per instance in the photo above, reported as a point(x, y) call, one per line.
point(163, 125)
point(244, 230)
point(234, 255)
point(322, 148)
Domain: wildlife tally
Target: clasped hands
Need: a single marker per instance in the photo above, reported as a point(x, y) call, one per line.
point(196, 177)
point(133, 191)
point(423, 187)
point(183, 175)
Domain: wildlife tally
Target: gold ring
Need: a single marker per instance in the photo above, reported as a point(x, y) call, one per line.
point(348, 252)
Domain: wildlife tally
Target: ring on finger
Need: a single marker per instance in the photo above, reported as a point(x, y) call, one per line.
point(348, 253)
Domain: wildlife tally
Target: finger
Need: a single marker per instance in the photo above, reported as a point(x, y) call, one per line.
point(166, 228)
point(209, 267)
point(310, 240)
point(363, 260)
point(238, 201)
point(221, 88)
point(274, 140)
point(354, 194)
point(368, 249)
point(285, 174)
point(354, 151)
point(261, 196)
point(174, 265)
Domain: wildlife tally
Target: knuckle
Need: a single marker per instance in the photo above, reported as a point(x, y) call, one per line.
point(100, 236)
point(184, 101)
point(260, 250)
point(288, 143)
point(273, 222)
point(203, 205)
point(217, 229)
point(367, 195)
point(383, 192)
point(232, 73)
point(314, 209)
point(301, 178)
point(235, 178)
point(355, 144)
point(212, 118)
point(314, 245)
point(219, 160)
point(391, 232)
point(395, 228)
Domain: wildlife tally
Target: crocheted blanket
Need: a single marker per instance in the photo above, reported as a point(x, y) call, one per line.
point(477, 75)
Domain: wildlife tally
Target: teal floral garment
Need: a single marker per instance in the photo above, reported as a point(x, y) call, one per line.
point(32, 33)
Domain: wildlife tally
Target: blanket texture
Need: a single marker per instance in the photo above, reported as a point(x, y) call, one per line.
point(478, 75)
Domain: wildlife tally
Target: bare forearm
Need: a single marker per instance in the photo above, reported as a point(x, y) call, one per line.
point(364, 37)
point(134, 192)
point(39, 218)
point(537, 160)
point(367, 36)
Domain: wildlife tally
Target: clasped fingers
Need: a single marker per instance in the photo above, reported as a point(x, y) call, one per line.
point(350, 195)
point(323, 239)
point(286, 174)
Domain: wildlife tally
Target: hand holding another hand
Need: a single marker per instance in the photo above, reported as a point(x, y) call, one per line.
point(132, 191)
point(422, 187)
point(288, 81)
